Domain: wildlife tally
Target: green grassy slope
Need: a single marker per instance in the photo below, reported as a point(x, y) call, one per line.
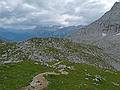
point(82, 77)
point(14, 76)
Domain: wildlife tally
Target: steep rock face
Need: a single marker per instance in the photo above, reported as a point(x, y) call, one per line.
point(107, 25)
point(104, 32)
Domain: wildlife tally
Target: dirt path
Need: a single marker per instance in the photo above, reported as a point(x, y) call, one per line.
point(39, 82)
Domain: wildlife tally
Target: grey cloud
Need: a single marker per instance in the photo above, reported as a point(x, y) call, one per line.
point(65, 12)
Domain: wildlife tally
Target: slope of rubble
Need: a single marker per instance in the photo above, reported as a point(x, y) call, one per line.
point(54, 49)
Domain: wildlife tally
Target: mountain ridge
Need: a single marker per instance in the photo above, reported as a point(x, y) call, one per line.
point(11, 34)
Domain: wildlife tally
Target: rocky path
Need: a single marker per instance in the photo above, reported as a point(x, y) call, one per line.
point(39, 82)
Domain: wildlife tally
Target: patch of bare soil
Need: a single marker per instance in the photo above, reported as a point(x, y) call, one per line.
point(39, 82)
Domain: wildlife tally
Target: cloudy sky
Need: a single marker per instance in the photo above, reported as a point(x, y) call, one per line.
point(29, 13)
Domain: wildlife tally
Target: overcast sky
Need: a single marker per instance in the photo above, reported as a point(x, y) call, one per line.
point(65, 12)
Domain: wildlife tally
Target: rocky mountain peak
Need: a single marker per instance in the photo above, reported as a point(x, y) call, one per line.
point(112, 16)
point(116, 5)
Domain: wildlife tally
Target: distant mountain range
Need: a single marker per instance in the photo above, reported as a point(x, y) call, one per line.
point(40, 31)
